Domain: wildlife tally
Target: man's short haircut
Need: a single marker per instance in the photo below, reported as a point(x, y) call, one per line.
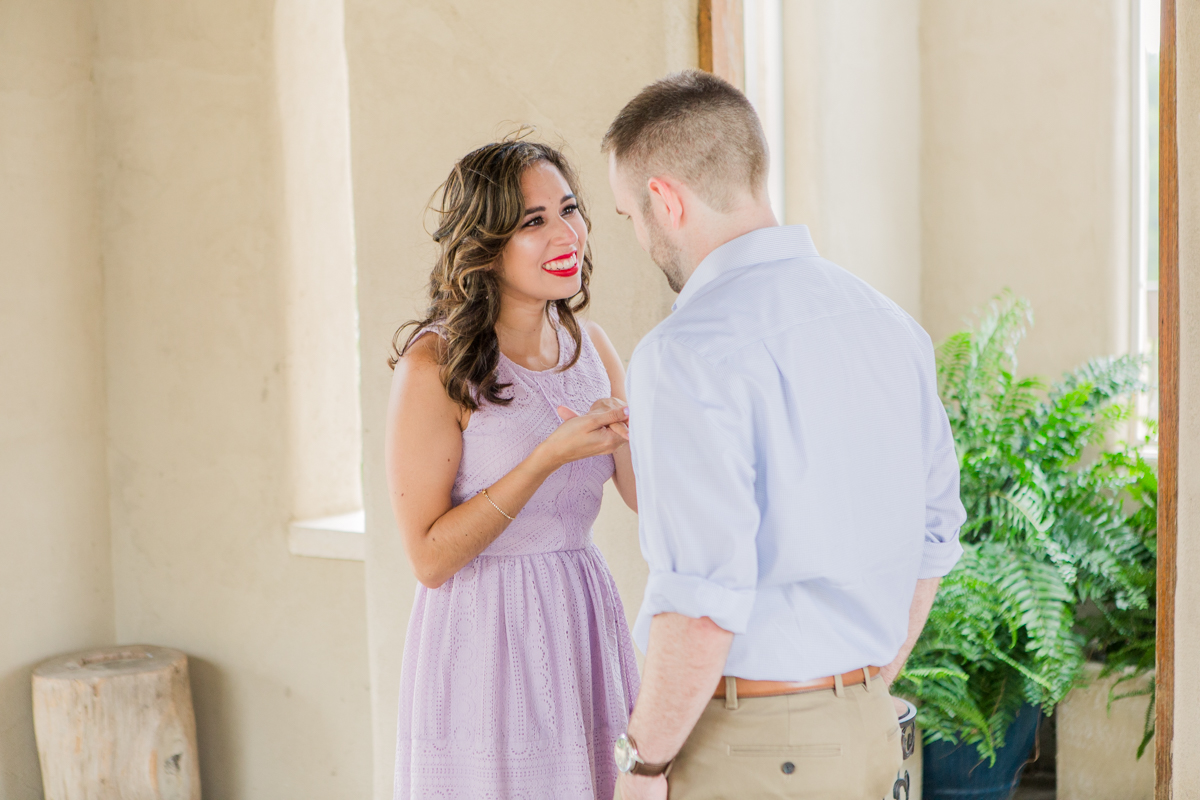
point(697, 128)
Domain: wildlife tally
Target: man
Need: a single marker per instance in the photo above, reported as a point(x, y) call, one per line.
point(797, 480)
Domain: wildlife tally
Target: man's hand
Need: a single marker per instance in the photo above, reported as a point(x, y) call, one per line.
point(641, 787)
point(918, 612)
point(602, 406)
point(683, 665)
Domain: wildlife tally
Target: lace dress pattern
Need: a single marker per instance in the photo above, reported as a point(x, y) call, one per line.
point(519, 671)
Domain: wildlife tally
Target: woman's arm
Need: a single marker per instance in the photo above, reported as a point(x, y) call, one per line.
point(623, 478)
point(423, 449)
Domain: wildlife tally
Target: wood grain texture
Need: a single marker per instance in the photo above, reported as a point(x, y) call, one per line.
point(721, 45)
point(704, 30)
point(1168, 403)
point(116, 724)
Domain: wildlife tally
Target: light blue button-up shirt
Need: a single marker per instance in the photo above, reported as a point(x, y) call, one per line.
point(796, 472)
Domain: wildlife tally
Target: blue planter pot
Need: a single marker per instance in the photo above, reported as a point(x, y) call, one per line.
point(955, 772)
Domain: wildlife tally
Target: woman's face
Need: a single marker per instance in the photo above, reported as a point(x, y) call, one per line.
point(544, 258)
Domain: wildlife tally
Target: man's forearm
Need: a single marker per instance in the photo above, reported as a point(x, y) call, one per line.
point(684, 664)
point(918, 612)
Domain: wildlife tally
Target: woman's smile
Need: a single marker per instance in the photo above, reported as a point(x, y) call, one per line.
point(564, 266)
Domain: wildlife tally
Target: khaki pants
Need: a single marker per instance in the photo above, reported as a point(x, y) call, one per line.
point(825, 745)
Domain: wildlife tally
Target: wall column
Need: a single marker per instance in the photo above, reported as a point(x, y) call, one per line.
point(200, 117)
point(1025, 170)
point(852, 126)
point(55, 570)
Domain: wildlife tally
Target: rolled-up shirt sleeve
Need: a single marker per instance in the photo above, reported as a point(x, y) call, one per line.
point(693, 457)
point(944, 512)
point(944, 515)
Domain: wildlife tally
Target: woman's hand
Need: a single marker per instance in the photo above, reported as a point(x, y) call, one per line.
point(602, 405)
point(623, 477)
point(596, 433)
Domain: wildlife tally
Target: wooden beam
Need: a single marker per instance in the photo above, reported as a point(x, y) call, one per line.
point(721, 40)
point(1168, 404)
point(705, 35)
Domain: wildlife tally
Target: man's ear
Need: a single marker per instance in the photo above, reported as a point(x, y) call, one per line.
point(666, 201)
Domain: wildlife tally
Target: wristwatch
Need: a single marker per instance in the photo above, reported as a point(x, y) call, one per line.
point(630, 761)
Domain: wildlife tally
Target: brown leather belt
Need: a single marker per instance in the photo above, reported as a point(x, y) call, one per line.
point(749, 688)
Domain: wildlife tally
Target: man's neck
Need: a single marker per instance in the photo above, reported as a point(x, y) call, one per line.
point(720, 229)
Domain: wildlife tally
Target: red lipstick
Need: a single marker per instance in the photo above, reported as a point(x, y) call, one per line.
point(567, 265)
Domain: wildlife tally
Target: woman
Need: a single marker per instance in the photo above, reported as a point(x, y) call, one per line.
point(507, 416)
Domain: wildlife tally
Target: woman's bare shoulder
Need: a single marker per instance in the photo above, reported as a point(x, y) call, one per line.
point(426, 351)
point(419, 372)
point(600, 339)
point(608, 357)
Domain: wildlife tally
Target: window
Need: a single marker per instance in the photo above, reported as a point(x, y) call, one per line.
point(319, 293)
point(1144, 315)
point(763, 36)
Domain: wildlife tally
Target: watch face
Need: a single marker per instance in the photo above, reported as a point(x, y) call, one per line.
point(625, 754)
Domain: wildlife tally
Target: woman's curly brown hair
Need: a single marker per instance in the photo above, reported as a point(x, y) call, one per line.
point(481, 208)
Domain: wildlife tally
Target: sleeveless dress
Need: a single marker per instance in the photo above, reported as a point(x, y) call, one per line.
point(519, 672)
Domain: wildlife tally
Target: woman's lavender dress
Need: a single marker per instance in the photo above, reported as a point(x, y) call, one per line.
point(519, 672)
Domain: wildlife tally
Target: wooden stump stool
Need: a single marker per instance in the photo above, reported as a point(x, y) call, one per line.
point(116, 724)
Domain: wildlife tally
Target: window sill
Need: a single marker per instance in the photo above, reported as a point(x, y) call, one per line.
point(1150, 452)
point(341, 537)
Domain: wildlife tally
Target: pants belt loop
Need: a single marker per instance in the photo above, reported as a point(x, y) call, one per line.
point(731, 700)
point(867, 678)
point(839, 688)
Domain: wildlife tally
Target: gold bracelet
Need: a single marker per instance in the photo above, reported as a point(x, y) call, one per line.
point(488, 497)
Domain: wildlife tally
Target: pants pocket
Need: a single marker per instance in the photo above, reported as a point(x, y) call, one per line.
point(786, 751)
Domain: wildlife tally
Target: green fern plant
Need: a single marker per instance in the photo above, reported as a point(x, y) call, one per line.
point(1058, 559)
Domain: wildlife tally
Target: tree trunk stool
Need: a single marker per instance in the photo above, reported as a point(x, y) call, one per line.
point(116, 724)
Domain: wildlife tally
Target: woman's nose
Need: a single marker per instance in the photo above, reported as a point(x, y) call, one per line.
point(564, 232)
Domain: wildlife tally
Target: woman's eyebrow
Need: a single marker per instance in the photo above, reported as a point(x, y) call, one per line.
point(539, 209)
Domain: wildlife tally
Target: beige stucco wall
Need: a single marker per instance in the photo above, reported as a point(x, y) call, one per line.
point(198, 249)
point(1186, 747)
point(429, 81)
point(178, 250)
point(852, 119)
point(55, 579)
point(1098, 742)
point(1025, 169)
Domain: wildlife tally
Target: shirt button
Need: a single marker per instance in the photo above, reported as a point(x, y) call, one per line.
point(788, 768)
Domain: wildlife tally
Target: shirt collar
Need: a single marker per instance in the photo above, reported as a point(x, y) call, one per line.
point(756, 247)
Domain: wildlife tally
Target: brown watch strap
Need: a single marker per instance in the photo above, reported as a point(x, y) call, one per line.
point(650, 770)
point(642, 768)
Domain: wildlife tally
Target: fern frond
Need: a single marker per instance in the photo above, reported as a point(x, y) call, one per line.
point(1048, 527)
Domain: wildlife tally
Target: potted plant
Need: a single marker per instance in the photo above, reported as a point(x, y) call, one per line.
point(1119, 616)
point(1058, 554)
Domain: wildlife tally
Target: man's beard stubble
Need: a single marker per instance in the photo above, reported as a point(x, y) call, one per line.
point(666, 255)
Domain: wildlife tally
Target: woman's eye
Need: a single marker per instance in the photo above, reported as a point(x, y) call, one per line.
point(571, 209)
point(532, 222)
